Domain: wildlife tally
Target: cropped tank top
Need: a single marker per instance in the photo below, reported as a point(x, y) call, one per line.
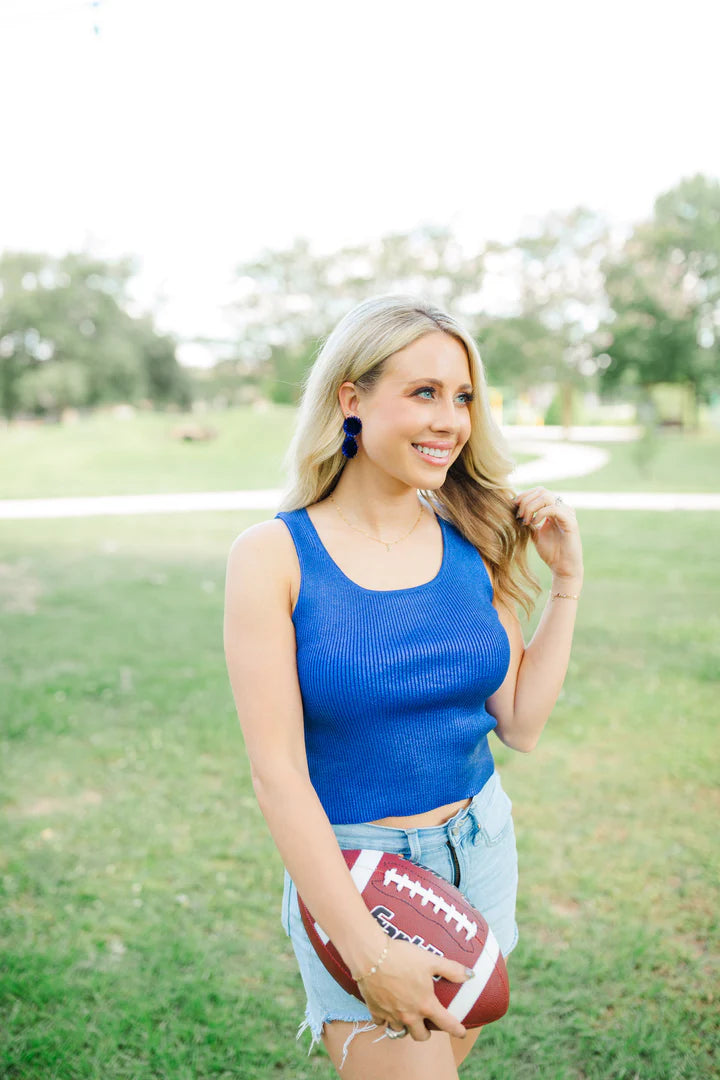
point(394, 681)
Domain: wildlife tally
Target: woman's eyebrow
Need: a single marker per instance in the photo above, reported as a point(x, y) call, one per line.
point(438, 382)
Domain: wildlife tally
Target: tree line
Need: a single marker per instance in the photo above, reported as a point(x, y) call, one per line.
point(575, 303)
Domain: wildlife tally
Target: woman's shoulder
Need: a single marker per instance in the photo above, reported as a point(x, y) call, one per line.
point(268, 541)
point(257, 535)
point(266, 548)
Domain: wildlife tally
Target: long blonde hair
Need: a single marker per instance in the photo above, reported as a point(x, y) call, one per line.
point(475, 495)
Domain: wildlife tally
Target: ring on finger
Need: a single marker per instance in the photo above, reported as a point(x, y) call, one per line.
point(558, 500)
point(399, 1034)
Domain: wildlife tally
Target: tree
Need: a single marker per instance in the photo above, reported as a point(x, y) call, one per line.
point(561, 304)
point(290, 300)
point(66, 336)
point(664, 294)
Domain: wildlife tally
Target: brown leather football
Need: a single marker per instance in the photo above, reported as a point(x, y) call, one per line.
point(415, 904)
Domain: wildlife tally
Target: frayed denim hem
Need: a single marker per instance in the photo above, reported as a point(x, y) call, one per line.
point(316, 1030)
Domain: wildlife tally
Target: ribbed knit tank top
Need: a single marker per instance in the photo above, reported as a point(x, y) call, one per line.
point(394, 681)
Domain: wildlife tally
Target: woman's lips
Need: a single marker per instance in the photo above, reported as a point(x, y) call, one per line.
point(438, 461)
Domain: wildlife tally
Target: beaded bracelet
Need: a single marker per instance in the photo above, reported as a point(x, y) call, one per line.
point(375, 966)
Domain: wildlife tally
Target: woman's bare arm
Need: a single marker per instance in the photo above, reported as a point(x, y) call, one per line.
point(260, 652)
point(522, 705)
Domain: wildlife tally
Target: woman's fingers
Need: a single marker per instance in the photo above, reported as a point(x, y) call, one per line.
point(454, 972)
point(529, 503)
point(532, 507)
point(416, 1001)
point(417, 1029)
point(446, 1021)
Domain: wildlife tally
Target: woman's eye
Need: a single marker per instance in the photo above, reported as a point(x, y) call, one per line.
point(431, 390)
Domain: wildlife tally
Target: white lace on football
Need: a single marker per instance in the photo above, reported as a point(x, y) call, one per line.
point(402, 881)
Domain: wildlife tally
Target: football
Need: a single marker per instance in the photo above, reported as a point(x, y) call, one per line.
point(415, 904)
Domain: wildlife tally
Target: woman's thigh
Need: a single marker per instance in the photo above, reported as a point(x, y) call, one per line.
point(367, 1059)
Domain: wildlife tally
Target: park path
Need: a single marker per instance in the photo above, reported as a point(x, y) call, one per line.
point(269, 499)
point(557, 460)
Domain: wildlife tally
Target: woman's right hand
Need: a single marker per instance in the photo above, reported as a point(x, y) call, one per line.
point(401, 992)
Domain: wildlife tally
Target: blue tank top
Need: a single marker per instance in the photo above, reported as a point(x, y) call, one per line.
point(394, 681)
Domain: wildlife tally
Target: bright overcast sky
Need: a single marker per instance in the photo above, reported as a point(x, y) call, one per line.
point(195, 133)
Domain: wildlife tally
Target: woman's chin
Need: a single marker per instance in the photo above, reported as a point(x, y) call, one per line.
point(431, 483)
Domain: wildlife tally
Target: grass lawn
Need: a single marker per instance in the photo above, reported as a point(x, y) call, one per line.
point(139, 919)
point(99, 456)
point(658, 461)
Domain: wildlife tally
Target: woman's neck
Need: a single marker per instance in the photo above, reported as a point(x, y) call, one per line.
point(381, 513)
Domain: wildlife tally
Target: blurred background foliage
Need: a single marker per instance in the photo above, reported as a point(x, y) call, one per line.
point(585, 309)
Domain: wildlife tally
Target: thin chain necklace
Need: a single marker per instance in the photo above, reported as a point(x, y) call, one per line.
point(388, 544)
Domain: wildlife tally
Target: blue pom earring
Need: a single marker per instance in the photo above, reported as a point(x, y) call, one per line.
point(352, 428)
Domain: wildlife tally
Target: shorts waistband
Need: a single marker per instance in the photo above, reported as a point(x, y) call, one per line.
point(466, 821)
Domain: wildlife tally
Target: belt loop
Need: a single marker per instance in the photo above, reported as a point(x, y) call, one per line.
point(481, 802)
point(414, 844)
point(475, 830)
point(466, 817)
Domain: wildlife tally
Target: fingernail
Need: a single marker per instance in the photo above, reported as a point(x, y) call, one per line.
point(469, 971)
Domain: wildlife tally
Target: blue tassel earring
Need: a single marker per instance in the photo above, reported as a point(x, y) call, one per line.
point(352, 428)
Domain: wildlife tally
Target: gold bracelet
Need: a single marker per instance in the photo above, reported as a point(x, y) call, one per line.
point(565, 595)
point(375, 966)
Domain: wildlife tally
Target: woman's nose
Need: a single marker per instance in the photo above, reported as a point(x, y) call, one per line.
point(445, 416)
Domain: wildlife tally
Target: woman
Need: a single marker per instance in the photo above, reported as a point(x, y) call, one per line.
point(372, 645)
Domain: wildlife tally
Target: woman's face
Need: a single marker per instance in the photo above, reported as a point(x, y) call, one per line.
point(421, 398)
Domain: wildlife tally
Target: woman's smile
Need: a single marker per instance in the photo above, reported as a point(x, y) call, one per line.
point(433, 456)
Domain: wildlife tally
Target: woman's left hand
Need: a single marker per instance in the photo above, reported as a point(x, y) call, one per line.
point(554, 531)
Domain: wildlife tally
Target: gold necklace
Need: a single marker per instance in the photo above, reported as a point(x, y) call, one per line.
point(388, 544)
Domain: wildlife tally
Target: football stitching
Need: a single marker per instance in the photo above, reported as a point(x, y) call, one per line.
point(402, 881)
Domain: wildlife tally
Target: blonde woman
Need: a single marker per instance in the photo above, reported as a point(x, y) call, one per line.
point(372, 646)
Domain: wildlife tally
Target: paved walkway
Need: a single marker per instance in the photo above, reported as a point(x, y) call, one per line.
point(269, 499)
point(556, 461)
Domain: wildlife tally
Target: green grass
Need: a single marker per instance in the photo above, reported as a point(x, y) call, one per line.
point(139, 886)
point(100, 455)
point(665, 460)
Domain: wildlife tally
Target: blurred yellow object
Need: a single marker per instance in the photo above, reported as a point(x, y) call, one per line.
point(496, 404)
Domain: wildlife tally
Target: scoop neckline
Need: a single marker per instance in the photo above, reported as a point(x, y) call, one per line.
point(381, 592)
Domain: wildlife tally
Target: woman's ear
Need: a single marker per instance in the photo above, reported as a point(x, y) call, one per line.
point(348, 398)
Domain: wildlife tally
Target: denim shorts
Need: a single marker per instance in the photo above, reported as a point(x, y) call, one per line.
point(477, 846)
